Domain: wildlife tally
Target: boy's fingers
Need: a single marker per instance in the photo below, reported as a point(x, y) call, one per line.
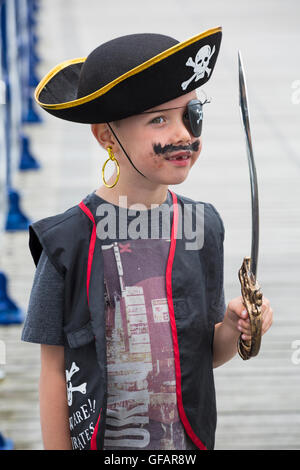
point(245, 324)
point(246, 331)
point(243, 314)
point(246, 337)
point(267, 320)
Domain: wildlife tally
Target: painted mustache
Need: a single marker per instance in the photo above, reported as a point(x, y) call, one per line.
point(159, 150)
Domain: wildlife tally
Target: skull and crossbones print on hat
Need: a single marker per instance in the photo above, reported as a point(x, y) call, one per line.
point(128, 75)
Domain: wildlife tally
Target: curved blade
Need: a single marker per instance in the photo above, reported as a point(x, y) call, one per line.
point(252, 170)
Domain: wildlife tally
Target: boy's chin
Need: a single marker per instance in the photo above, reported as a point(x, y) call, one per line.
point(169, 180)
point(177, 179)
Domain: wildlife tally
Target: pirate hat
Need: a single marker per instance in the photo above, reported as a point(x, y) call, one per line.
point(128, 75)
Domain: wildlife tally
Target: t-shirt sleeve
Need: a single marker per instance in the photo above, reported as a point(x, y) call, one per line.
point(44, 320)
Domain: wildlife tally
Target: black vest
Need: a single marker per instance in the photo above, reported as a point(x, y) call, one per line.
point(194, 284)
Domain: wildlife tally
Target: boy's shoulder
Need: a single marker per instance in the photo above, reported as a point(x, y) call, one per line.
point(49, 222)
point(64, 220)
point(57, 230)
point(212, 218)
point(187, 200)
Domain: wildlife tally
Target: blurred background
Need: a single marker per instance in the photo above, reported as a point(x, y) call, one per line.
point(48, 165)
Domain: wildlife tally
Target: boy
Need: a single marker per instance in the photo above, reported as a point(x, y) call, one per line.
point(133, 324)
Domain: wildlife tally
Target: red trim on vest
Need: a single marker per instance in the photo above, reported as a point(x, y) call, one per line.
point(94, 436)
point(182, 414)
point(91, 247)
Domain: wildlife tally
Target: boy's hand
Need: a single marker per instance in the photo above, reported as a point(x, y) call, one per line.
point(237, 317)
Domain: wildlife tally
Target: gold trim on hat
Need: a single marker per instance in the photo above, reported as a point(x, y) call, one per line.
point(109, 86)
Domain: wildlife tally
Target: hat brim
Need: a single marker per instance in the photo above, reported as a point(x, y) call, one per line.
point(166, 76)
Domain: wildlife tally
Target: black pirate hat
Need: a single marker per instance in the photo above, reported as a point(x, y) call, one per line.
point(127, 76)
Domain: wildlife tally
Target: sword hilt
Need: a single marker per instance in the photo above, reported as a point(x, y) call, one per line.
point(252, 299)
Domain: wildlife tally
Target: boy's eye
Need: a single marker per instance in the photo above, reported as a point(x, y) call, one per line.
point(158, 120)
point(186, 116)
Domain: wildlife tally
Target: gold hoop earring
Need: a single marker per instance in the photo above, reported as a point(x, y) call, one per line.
point(112, 158)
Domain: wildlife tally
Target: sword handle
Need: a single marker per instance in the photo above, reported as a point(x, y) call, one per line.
point(252, 299)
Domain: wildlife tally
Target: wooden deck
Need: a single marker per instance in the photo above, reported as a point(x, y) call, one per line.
point(258, 400)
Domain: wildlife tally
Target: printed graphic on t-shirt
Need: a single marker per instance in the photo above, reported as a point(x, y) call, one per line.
point(142, 407)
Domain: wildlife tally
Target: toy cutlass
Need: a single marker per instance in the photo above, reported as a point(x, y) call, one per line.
point(251, 293)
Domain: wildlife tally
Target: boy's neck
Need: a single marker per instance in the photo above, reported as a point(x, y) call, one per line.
point(146, 197)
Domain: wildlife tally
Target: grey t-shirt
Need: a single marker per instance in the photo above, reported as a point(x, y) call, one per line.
point(44, 320)
point(142, 408)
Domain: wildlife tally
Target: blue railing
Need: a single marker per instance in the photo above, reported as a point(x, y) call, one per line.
point(18, 78)
point(18, 60)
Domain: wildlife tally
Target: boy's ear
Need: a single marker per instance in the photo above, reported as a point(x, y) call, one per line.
point(103, 135)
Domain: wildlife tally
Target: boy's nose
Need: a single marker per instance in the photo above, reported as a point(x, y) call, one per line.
point(181, 132)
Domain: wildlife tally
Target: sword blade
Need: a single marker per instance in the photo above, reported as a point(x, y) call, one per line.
point(252, 169)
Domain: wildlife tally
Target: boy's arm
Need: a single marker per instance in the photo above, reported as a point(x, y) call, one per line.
point(225, 343)
point(53, 399)
point(236, 321)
